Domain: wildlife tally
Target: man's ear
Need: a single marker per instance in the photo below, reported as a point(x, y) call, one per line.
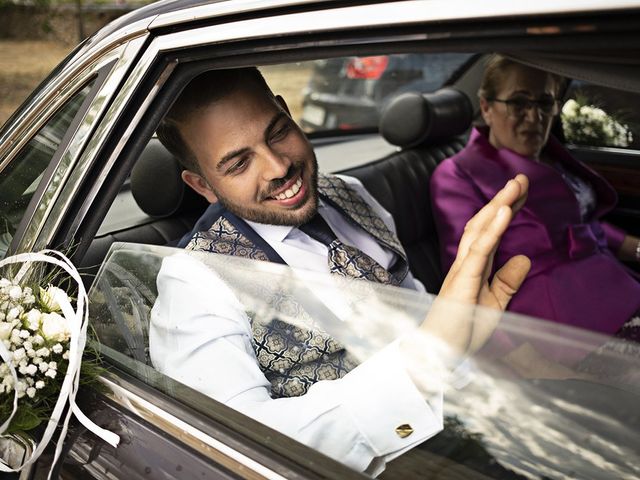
point(485, 110)
point(199, 184)
point(283, 104)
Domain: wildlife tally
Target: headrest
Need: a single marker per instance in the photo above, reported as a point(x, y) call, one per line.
point(412, 118)
point(156, 184)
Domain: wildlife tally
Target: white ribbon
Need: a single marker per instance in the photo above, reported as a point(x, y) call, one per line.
point(78, 321)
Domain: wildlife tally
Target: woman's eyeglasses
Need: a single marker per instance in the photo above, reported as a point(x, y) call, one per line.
point(518, 106)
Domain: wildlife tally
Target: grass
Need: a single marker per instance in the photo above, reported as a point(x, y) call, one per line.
point(23, 65)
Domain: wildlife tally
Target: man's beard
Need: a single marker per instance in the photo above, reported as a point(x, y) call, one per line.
point(294, 217)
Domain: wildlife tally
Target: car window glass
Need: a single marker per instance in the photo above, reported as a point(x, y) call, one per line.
point(499, 422)
point(347, 93)
point(19, 179)
point(598, 116)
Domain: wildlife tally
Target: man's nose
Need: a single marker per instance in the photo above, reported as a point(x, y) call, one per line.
point(275, 164)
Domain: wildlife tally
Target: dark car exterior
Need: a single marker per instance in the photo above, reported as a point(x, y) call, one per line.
point(65, 159)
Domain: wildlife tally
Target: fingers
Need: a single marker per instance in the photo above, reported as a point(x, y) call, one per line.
point(513, 195)
point(472, 267)
point(506, 282)
point(523, 181)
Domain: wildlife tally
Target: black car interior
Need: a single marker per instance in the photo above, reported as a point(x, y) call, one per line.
point(426, 128)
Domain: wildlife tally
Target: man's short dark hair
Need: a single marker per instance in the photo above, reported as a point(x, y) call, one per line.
point(201, 92)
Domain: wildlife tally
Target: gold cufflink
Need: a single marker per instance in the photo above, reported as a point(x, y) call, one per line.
point(404, 430)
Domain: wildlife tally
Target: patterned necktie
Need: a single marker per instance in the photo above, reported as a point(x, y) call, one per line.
point(344, 259)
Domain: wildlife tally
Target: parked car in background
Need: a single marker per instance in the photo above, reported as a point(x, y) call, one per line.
point(348, 92)
point(71, 161)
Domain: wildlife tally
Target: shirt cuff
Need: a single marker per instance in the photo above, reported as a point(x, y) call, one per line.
point(397, 417)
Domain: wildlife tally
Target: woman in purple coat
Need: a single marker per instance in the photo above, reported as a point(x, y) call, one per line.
point(576, 277)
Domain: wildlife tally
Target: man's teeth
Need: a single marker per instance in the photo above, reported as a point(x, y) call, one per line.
point(290, 192)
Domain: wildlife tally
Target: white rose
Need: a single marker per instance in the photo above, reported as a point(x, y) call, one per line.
point(5, 330)
point(51, 373)
point(33, 319)
point(31, 392)
point(4, 282)
point(51, 297)
point(569, 108)
point(55, 328)
point(15, 292)
point(39, 384)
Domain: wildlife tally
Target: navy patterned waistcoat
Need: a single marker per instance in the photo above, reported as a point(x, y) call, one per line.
point(294, 358)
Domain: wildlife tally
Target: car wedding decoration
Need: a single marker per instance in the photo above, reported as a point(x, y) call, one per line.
point(43, 336)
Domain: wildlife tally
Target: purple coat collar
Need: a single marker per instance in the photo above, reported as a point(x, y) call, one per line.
point(546, 187)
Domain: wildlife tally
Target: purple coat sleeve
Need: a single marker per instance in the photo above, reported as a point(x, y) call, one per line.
point(454, 199)
point(615, 236)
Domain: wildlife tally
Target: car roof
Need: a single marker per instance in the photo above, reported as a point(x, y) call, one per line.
point(180, 13)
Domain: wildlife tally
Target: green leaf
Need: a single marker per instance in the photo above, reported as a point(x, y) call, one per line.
point(24, 420)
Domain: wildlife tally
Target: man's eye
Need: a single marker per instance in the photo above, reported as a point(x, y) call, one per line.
point(238, 166)
point(280, 133)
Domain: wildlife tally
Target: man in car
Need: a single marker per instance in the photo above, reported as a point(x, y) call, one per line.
point(241, 150)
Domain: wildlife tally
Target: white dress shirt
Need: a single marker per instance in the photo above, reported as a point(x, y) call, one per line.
point(200, 335)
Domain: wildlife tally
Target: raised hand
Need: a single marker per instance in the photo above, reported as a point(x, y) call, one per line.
point(453, 317)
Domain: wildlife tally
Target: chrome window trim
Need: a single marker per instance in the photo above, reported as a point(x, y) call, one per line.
point(416, 10)
point(203, 443)
point(220, 9)
point(58, 170)
point(98, 138)
point(42, 116)
point(65, 167)
point(629, 152)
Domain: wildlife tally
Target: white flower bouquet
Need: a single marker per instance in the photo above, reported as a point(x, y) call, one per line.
point(589, 125)
point(34, 331)
point(42, 340)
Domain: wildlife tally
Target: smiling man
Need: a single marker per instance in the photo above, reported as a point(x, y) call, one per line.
point(242, 151)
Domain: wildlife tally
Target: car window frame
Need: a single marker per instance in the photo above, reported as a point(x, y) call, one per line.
point(47, 174)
